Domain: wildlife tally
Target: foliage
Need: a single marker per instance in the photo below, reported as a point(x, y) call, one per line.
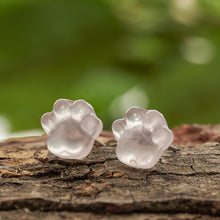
point(99, 50)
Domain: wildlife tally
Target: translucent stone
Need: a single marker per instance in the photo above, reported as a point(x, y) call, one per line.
point(72, 128)
point(143, 136)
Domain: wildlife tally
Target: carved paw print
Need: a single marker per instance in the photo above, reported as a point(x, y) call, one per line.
point(143, 136)
point(72, 128)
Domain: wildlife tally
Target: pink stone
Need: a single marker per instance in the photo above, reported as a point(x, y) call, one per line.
point(72, 128)
point(143, 136)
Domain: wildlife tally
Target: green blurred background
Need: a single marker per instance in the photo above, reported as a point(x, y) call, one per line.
point(157, 54)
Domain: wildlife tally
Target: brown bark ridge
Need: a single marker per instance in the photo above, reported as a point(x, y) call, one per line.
point(34, 184)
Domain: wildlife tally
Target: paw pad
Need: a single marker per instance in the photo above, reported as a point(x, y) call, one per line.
point(72, 128)
point(143, 136)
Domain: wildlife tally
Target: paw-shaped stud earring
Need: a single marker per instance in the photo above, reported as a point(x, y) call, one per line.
point(143, 136)
point(72, 128)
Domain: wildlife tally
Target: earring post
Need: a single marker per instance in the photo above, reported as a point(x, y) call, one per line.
point(173, 148)
point(99, 142)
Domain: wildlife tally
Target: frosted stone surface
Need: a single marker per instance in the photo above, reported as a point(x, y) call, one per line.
point(143, 136)
point(72, 128)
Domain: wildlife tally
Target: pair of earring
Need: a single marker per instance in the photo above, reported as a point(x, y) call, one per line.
point(72, 128)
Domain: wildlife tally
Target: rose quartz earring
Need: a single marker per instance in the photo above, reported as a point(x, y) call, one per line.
point(72, 128)
point(143, 136)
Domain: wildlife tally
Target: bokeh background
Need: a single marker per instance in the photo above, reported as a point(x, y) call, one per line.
point(156, 54)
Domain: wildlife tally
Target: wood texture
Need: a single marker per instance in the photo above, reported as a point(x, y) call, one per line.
point(34, 184)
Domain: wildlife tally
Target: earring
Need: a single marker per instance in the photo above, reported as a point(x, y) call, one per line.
point(72, 128)
point(143, 136)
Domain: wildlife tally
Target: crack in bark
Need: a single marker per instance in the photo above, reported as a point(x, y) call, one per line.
point(177, 205)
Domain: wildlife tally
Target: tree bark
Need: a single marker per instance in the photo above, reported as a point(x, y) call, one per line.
point(184, 184)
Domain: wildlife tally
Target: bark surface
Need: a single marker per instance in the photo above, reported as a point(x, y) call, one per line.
point(34, 184)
